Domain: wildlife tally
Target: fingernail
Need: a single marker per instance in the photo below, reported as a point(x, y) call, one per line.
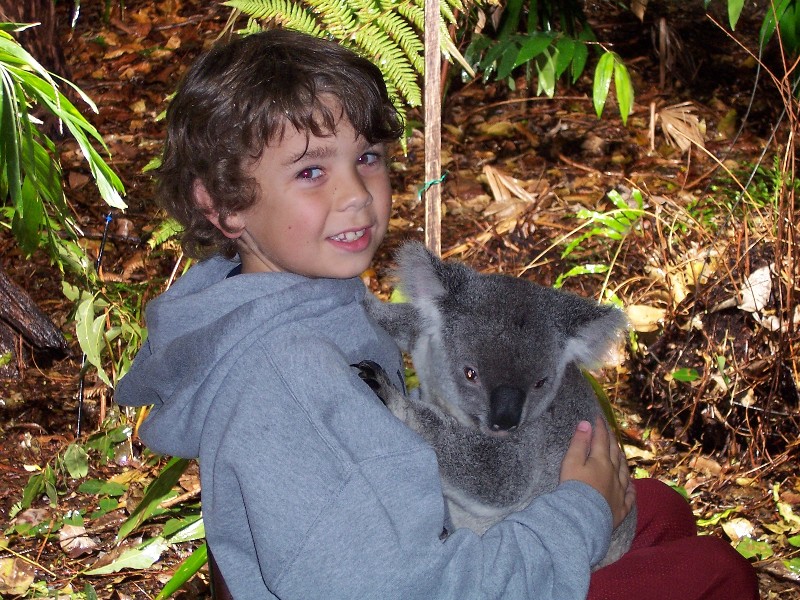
point(584, 426)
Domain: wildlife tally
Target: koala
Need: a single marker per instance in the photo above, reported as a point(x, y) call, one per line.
point(498, 360)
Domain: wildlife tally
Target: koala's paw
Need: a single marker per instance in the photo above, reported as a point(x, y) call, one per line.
point(376, 378)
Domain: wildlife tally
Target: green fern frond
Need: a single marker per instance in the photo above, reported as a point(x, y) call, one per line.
point(390, 32)
point(414, 12)
point(338, 17)
point(392, 61)
point(404, 35)
point(286, 12)
point(449, 8)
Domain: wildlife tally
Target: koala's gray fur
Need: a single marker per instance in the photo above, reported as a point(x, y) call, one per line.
point(501, 391)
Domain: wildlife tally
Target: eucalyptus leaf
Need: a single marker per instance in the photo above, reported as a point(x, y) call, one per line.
point(156, 492)
point(187, 569)
point(143, 556)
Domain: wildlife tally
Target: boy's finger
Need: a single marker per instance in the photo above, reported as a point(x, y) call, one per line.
point(579, 446)
point(600, 438)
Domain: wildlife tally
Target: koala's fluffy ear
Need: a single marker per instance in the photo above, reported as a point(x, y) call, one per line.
point(419, 272)
point(426, 278)
point(427, 281)
point(592, 329)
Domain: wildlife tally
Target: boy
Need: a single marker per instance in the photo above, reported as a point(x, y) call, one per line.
point(275, 163)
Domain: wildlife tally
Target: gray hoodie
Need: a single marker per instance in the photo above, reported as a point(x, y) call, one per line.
point(311, 488)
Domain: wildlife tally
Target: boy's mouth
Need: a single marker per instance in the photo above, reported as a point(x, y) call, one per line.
point(349, 236)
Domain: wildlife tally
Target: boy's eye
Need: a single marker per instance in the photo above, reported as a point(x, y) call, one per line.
point(310, 173)
point(369, 158)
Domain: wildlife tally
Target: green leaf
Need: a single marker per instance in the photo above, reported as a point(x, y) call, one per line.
point(533, 45)
point(588, 269)
point(715, 518)
point(141, 557)
point(187, 569)
point(108, 504)
point(90, 332)
point(685, 375)
point(604, 401)
point(184, 530)
point(750, 548)
point(156, 492)
point(166, 230)
point(624, 89)
point(794, 541)
point(734, 11)
point(602, 81)
point(793, 565)
point(98, 487)
point(565, 50)
point(680, 489)
point(33, 490)
point(90, 592)
point(547, 75)
point(76, 461)
point(506, 56)
point(579, 61)
point(398, 297)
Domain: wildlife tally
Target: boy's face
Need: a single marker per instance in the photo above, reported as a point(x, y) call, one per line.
point(323, 208)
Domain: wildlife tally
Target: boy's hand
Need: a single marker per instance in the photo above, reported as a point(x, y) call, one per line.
point(598, 460)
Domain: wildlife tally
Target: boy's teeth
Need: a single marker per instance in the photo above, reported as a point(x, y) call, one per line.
point(350, 236)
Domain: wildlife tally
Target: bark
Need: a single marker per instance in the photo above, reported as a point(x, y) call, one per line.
point(19, 311)
point(41, 41)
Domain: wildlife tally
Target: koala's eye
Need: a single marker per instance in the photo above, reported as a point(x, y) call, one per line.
point(540, 383)
point(471, 374)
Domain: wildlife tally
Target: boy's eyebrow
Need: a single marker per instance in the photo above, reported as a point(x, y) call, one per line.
point(316, 153)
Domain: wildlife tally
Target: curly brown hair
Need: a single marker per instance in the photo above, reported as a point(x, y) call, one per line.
point(239, 97)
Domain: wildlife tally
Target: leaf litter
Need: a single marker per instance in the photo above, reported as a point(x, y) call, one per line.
point(695, 399)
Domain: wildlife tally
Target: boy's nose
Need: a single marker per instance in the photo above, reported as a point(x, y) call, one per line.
point(352, 193)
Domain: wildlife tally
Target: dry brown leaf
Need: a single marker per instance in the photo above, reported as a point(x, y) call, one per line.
point(16, 576)
point(645, 318)
point(77, 180)
point(705, 465)
point(681, 127)
point(511, 200)
point(638, 7)
point(74, 541)
point(738, 528)
point(756, 290)
point(504, 129)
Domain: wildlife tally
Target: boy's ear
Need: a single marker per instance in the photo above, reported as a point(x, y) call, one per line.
point(234, 224)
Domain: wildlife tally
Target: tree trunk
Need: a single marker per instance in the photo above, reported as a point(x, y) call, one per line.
point(22, 321)
point(41, 41)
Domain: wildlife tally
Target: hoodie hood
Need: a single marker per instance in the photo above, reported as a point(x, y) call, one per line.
point(197, 330)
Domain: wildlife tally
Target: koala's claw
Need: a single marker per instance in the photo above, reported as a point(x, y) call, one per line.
point(375, 377)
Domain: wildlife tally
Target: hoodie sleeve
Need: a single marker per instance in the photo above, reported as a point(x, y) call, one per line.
point(341, 500)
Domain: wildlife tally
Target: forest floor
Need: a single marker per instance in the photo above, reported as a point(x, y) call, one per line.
point(519, 170)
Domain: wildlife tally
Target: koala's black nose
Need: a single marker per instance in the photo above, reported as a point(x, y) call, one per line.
point(505, 409)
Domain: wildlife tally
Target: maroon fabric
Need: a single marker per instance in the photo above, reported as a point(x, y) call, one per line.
point(669, 561)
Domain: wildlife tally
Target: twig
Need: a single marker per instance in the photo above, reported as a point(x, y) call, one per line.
point(29, 561)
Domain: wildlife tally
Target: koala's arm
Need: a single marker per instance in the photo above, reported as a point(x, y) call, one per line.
point(429, 421)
